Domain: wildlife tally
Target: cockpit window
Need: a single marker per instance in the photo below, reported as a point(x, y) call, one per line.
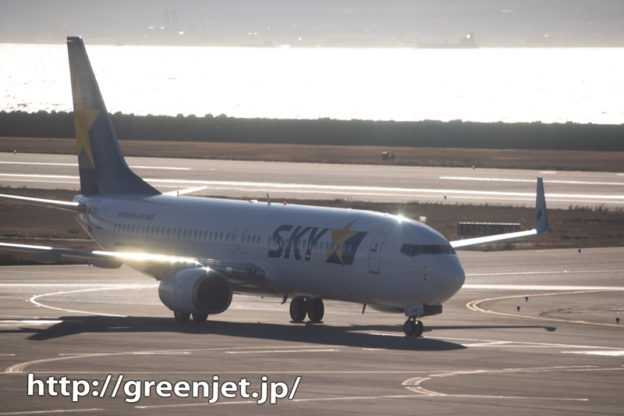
point(416, 249)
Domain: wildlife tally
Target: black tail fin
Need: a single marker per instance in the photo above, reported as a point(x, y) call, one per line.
point(103, 169)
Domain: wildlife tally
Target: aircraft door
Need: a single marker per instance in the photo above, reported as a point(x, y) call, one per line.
point(374, 253)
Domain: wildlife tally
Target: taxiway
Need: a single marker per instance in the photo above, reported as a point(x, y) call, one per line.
point(562, 352)
point(378, 183)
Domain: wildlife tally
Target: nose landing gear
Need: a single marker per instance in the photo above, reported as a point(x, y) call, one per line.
point(412, 327)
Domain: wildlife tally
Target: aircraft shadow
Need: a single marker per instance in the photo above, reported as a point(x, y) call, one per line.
point(350, 335)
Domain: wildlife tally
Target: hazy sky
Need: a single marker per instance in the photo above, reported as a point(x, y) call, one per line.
point(406, 23)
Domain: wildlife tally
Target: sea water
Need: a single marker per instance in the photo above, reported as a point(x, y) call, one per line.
point(582, 85)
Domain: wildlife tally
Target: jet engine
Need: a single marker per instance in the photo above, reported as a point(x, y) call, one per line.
point(196, 291)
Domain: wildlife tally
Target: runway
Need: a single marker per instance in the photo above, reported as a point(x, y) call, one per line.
point(251, 179)
point(561, 352)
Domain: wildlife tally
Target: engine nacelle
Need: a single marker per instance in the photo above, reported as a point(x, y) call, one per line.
point(200, 290)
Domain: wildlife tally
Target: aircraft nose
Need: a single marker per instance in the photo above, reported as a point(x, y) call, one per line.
point(451, 277)
point(458, 277)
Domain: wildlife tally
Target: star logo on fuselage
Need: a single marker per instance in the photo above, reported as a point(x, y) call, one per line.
point(83, 120)
point(345, 242)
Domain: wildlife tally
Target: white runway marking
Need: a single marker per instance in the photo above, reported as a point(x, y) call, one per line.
point(73, 182)
point(475, 305)
point(32, 175)
point(159, 167)
point(21, 367)
point(49, 411)
point(307, 188)
point(487, 344)
point(619, 353)
point(17, 322)
point(162, 353)
point(358, 398)
point(381, 334)
point(34, 301)
point(557, 181)
point(57, 285)
point(528, 343)
point(415, 384)
point(546, 272)
point(4, 162)
point(341, 189)
point(542, 287)
point(283, 351)
point(63, 354)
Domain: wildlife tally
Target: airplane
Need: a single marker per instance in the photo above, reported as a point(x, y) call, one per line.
point(202, 250)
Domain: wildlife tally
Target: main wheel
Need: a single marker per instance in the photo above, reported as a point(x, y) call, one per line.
point(181, 316)
point(200, 317)
point(409, 327)
point(419, 329)
point(298, 309)
point(316, 310)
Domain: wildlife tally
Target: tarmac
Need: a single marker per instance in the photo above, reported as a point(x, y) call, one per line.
point(531, 332)
point(376, 183)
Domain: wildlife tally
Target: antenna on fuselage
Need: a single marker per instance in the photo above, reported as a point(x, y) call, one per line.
point(268, 199)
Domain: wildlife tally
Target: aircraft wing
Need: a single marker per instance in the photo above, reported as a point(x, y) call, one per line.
point(540, 227)
point(159, 265)
point(110, 259)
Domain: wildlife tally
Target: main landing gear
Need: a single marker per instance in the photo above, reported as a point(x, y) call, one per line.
point(303, 305)
point(412, 327)
point(185, 316)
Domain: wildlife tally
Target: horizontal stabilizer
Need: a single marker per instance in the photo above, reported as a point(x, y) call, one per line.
point(50, 203)
point(185, 191)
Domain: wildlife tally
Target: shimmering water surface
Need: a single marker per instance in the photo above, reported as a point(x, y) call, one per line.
point(548, 85)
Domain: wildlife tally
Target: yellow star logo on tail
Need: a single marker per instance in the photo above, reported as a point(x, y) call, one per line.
point(83, 120)
point(339, 237)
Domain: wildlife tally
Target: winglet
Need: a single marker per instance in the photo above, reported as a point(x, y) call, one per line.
point(541, 215)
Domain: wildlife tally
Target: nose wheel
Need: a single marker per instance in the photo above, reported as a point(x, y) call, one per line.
point(413, 328)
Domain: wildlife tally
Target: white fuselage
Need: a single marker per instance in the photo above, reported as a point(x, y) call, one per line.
point(352, 255)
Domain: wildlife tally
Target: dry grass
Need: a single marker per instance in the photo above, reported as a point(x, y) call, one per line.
point(450, 157)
